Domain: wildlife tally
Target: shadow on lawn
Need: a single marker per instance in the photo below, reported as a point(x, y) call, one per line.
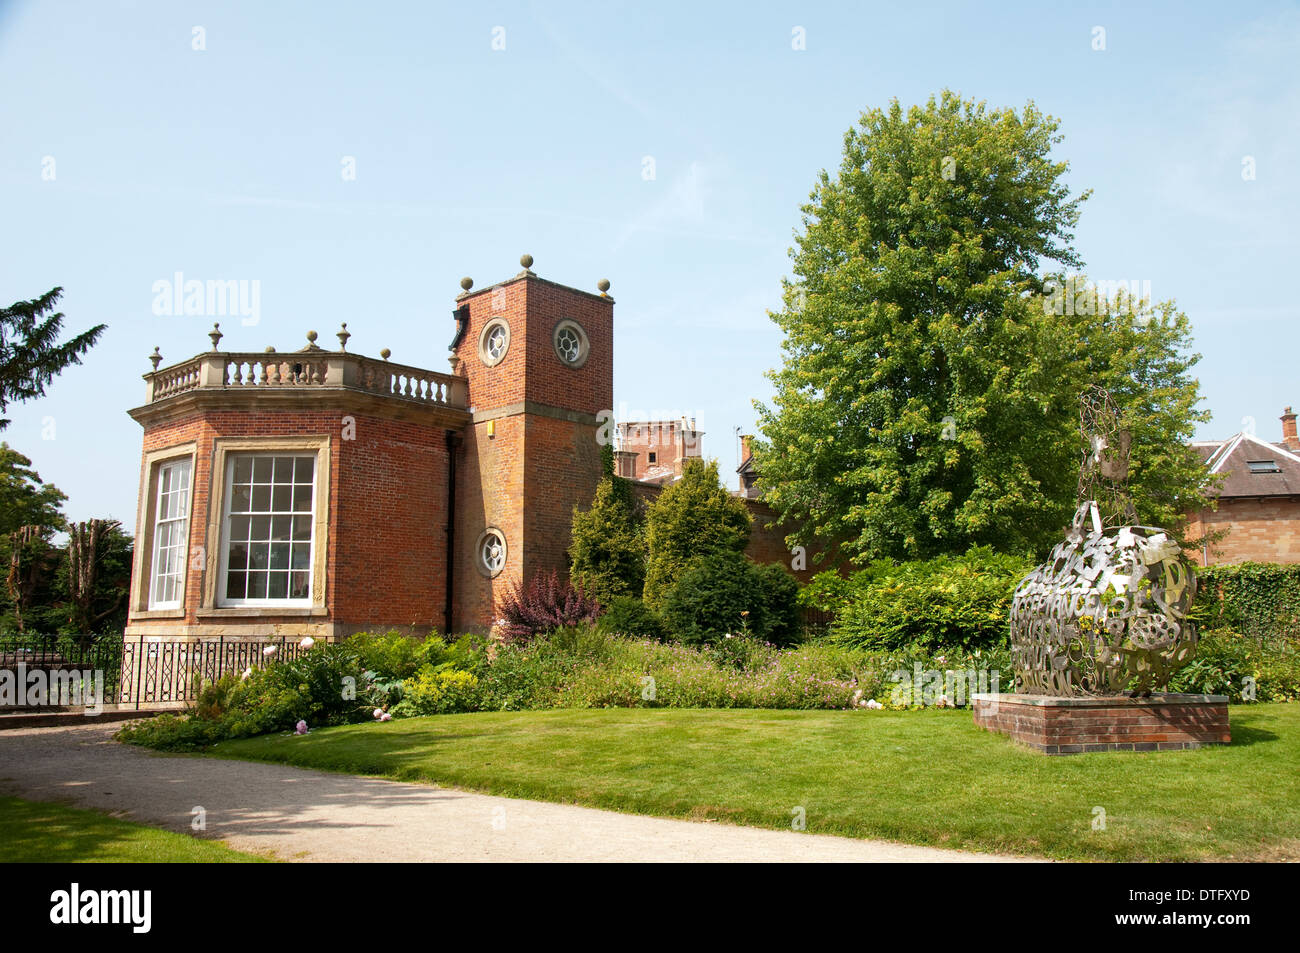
point(1244, 735)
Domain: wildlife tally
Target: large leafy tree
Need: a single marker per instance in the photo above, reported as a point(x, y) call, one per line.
point(26, 499)
point(692, 517)
point(928, 401)
point(30, 352)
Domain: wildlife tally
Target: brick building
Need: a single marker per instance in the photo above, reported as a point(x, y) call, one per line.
point(320, 492)
point(1258, 505)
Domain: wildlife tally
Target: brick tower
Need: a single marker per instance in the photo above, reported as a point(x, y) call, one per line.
point(538, 361)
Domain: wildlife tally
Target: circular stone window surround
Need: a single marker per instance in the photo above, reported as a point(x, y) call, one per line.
point(490, 552)
point(494, 342)
point(570, 343)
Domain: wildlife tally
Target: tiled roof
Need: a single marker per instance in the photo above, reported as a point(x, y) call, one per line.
point(1277, 471)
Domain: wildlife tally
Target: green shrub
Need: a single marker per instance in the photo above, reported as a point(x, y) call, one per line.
point(324, 686)
point(1226, 662)
point(627, 615)
point(436, 692)
point(717, 594)
point(946, 603)
point(1261, 600)
point(607, 550)
point(779, 611)
point(393, 654)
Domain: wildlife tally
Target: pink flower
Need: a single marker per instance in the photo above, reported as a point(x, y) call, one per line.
point(307, 642)
point(379, 714)
point(301, 728)
point(385, 716)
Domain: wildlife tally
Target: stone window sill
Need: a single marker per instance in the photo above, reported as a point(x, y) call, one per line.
point(141, 614)
point(263, 612)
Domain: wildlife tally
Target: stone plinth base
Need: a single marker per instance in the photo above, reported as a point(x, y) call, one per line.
point(1159, 722)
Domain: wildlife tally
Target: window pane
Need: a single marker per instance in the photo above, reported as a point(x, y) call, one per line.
point(235, 583)
point(265, 547)
point(279, 555)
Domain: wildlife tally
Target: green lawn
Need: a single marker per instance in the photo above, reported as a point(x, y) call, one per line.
point(922, 777)
point(33, 832)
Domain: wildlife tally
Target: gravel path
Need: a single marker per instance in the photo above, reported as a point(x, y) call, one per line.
point(296, 814)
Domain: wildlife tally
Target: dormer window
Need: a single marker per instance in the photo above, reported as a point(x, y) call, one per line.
point(1263, 466)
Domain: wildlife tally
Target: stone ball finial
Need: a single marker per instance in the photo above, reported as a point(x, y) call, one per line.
point(526, 261)
point(603, 285)
point(466, 283)
point(385, 354)
point(270, 349)
point(311, 336)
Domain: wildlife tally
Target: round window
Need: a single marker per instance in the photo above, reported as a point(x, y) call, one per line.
point(491, 551)
point(494, 342)
point(571, 343)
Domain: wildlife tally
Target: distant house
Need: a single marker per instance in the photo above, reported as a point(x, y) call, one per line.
point(1259, 501)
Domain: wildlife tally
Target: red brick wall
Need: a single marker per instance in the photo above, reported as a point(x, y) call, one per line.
point(563, 467)
point(666, 439)
point(386, 555)
point(489, 492)
point(1075, 726)
point(1258, 530)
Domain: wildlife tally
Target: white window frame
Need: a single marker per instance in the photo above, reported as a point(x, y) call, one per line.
point(227, 493)
point(153, 603)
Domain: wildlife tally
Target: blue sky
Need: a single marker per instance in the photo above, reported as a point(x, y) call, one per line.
point(226, 163)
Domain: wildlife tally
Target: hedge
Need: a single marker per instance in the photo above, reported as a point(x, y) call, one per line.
point(1259, 600)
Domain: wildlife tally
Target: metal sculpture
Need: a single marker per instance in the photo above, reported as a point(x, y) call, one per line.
point(1107, 613)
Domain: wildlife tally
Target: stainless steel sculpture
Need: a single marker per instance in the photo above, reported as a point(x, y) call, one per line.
point(1107, 613)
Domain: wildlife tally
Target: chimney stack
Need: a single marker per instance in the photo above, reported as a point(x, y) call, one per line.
point(1289, 438)
point(746, 453)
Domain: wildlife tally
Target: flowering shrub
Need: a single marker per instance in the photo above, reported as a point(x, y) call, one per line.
point(544, 605)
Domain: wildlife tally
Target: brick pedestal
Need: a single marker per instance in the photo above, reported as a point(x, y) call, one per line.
point(1053, 725)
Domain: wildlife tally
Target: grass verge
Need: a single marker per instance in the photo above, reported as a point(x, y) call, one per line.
point(37, 832)
point(920, 777)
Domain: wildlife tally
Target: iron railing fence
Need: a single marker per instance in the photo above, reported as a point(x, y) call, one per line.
point(156, 672)
point(28, 653)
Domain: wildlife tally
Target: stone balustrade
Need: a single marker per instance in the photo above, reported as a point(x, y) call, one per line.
point(307, 369)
